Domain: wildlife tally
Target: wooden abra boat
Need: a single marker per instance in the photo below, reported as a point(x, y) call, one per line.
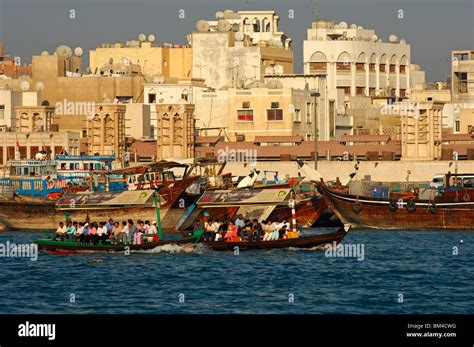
point(54, 246)
point(300, 242)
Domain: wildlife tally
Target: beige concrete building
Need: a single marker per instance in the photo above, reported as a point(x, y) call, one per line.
point(106, 131)
point(137, 121)
point(270, 112)
point(462, 76)
point(239, 48)
point(153, 60)
point(175, 125)
point(466, 121)
point(421, 131)
point(8, 101)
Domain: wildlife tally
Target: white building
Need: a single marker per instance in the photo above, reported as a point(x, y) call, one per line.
point(358, 62)
point(239, 48)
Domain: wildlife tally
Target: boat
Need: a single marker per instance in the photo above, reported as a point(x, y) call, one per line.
point(448, 207)
point(306, 242)
point(57, 247)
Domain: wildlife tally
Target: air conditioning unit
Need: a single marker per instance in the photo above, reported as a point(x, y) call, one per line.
point(275, 104)
point(246, 104)
point(240, 138)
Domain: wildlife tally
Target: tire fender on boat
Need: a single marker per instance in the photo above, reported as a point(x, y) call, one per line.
point(411, 206)
point(357, 206)
point(393, 205)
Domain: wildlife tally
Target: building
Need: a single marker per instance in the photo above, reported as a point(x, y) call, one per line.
point(262, 111)
point(9, 67)
point(462, 76)
point(106, 131)
point(137, 121)
point(175, 125)
point(239, 48)
point(170, 91)
point(166, 60)
point(421, 131)
point(358, 62)
point(9, 99)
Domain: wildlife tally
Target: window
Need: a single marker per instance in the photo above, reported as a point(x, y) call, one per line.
point(382, 68)
point(309, 108)
point(360, 67)
point(245, 115)
point(275, 114)
point(470, 129)
point(403, 69)
point(151, 98)
point(297, 116)
point(392, 68)
point(2, 111)
point(360, 91)
point(457, 124)
point(84, 134)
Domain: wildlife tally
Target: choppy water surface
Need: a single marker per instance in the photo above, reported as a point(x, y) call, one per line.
point(417, 267)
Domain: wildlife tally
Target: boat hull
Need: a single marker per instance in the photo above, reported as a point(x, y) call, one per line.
point(51, 246)
point(374, 213)
point(316, 241)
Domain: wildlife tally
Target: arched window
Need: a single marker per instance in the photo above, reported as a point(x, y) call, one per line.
point(246, 25)
point(256, 25)
point(265, 25)
point(360, 64)
point(383, 63)
point(343, 62)
point(318, 62)
point(373, 61)
point(393, 63)
point(403, 64)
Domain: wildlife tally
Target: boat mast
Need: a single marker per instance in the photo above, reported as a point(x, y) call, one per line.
point(158, 217)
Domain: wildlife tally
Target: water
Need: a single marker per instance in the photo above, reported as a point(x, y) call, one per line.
point(418, 265)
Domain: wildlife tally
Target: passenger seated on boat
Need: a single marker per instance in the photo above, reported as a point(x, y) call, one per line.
point(151, 227)
point(276, 225)
point(137, 237)
point(114, 237)
point(80, 228)
point(123, 237)
point(131, 231)
point(84, 237)
point(60, 232)
point(71, 230)
point(232, 233)
point(268, 229)
point(239, 222)
point(282, 232)
point(92, 235)
point(211, 228)
point(257, 230)
point(109, 226)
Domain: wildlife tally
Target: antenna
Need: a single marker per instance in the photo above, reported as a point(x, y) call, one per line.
point(314, 8)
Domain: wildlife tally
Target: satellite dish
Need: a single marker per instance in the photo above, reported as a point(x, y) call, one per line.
point(78, 52)
point(25, 86)
point(39, 86)
point(44, 53)
point(235, 27)
point(64, 50)
point(239, 36)
point(151, 38)
point(202, 26)
point(343, 25)
point(219, 15)
point(353, 26)
point(228, 14)
point(375, 38)
point(223, 25)
point(141, 37)
point(403, 41)
point(393, 38)
point(360, 27)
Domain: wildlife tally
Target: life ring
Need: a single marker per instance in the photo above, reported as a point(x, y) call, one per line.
point(466, 197)
point(357, 207)
point(411, 206)
point(392, 205)
point(433, 208)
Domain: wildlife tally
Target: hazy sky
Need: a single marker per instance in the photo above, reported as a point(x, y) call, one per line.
point(432, 27)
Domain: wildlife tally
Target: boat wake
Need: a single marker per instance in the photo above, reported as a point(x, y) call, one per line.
point(172, 248)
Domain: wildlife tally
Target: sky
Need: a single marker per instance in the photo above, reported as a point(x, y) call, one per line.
point(432, 27)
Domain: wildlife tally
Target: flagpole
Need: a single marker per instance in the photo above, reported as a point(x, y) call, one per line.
point(158, 217)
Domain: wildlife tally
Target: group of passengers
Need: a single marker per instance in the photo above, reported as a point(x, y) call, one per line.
point(243, 230)
point(115, 232)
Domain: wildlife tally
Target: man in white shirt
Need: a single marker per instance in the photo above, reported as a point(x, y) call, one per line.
point(152, 228)
point(60, 232)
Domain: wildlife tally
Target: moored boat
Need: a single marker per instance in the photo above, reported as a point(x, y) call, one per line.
point(450, 208)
